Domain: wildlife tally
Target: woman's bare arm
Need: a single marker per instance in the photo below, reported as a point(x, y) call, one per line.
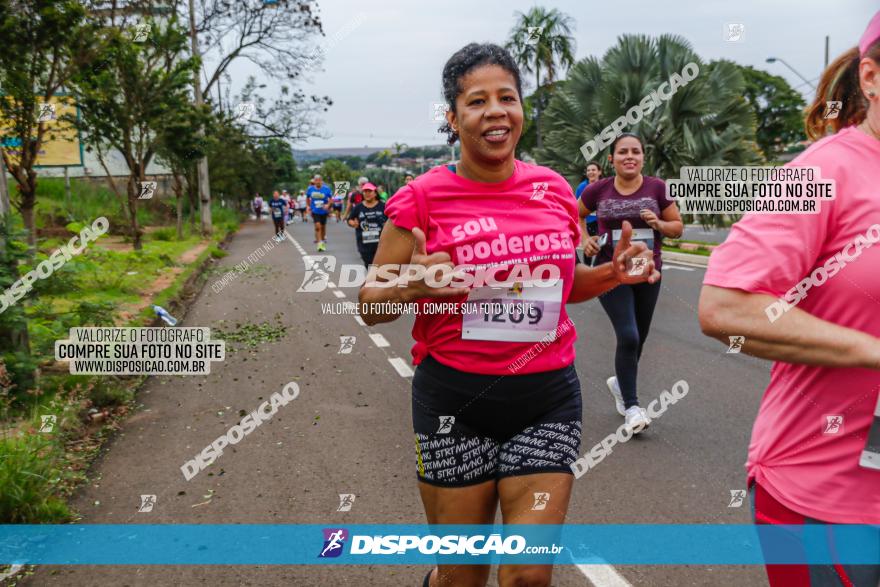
point(399, 247)
point(796, 337)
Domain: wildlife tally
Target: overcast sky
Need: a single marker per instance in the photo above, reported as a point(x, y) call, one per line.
point(385, 73)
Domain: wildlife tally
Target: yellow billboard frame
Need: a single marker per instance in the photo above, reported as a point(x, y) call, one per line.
point(61, 147)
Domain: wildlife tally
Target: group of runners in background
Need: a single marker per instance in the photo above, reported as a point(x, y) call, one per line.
point(362, 208)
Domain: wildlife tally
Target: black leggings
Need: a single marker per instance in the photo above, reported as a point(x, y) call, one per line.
point(630, 308)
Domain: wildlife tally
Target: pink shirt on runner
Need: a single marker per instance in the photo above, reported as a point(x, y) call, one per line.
point(797, 452)
point(531, 216)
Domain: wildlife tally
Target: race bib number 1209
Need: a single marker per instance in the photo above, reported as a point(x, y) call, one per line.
point(522, 313)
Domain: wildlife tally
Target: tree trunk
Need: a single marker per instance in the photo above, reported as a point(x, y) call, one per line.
point(28, 202)
point(191, 188)
point(178, 194)
point(132, 213)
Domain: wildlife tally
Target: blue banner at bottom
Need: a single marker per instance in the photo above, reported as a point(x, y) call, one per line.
point(372, 544)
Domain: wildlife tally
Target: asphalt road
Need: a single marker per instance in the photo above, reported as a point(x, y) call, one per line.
point(349, 431)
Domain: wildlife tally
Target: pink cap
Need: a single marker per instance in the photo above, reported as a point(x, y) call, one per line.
point(871, 36)
point(368, 186)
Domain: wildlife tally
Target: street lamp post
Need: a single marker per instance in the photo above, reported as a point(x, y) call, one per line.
point(783, 62)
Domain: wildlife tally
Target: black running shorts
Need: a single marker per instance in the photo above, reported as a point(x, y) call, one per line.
point(320, 218)
point(472, 428)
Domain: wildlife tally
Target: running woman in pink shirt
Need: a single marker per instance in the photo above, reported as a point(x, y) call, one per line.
point(804, 290)
point(496, 400)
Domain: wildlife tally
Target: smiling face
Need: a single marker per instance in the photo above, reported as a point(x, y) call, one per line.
point(488, 115)
point(369, 195)
point(628, 158)
point(593, 172)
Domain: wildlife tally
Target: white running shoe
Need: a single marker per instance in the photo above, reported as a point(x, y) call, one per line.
point(636, 419)
point(614, 388)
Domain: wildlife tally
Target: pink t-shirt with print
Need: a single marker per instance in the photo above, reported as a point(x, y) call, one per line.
point(529, 219)
point(813, 422)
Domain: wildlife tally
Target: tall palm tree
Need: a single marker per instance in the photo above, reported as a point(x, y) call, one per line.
point(541, 41)
point(706, 122)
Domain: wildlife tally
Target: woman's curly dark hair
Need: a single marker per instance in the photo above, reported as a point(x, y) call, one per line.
point(462, 63)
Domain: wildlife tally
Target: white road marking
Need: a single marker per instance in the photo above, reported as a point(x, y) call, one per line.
point(338, 293)
point(360, 320)
point(603, 576)
point(379, 340)
point(680, 268)
point(401, 366)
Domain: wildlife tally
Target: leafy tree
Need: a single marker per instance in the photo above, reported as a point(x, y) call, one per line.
point(180, 145)
point(237, 164)
point(333, 170)
point(35, 65)
point(283, 169)
point(778, 108)
point(128, 96)
point(706, 122)
point(14, 341)
point(541, 41)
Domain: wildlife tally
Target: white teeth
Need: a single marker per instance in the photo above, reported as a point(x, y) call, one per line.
point(496, 133)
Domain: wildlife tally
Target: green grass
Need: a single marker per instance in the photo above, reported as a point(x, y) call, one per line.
point(31, 476)
point(37, 470)
point(701, 251)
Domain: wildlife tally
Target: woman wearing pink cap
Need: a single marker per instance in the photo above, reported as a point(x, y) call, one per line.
point(815, 452)
point(496, 400)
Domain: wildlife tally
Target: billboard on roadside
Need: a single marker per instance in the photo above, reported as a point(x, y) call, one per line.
point(61, 145)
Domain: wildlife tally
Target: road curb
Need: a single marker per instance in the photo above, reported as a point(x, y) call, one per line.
point(698, 260)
